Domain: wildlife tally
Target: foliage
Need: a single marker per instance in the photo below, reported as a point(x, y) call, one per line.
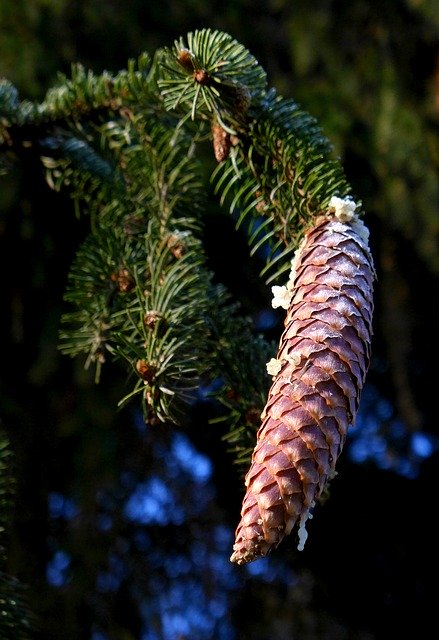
point(16, 623)
point(125, 148)
point(359, 68)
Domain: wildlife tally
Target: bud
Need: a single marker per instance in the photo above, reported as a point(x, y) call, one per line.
point(146, 370)
point(123, 279)
point(221, 142)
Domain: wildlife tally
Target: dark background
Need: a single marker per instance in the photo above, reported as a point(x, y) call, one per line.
point(123, 531)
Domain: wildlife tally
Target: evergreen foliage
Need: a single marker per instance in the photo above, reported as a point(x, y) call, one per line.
point(129, 149)
point(368, 74)
point(16, 622)
point(6, 494)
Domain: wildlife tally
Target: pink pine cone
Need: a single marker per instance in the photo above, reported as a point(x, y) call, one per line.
point(324, 355)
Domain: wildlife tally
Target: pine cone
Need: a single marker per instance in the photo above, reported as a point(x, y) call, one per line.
point(323, 359)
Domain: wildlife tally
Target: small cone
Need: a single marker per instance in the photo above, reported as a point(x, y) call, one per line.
point(323, 358)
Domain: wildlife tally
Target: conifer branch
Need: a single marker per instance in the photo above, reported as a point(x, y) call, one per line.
point(274, 162)
point(126, 147)
point(16, 620)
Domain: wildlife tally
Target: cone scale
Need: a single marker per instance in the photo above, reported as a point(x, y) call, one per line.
point(319, 372)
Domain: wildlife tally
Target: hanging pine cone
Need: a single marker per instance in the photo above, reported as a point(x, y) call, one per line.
point(318, 376)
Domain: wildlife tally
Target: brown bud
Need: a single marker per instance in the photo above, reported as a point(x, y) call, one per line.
point(176, 243)
point(146, 370)
point(151, 318)
point(201, 76)
point(185, 58)
point(123, 279)
point(221, 142)
point(324, 354)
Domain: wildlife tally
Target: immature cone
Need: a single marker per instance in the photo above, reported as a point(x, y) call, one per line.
point(320, 370)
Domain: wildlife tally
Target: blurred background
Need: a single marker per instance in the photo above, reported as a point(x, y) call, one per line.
point(122, 531)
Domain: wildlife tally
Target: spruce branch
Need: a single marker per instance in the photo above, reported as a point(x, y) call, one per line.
point(139, 283)
point(16, 620)
point(32, 127)
point(212, 74)
point(274, 161)
point(275, 164)
point(127, 147)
